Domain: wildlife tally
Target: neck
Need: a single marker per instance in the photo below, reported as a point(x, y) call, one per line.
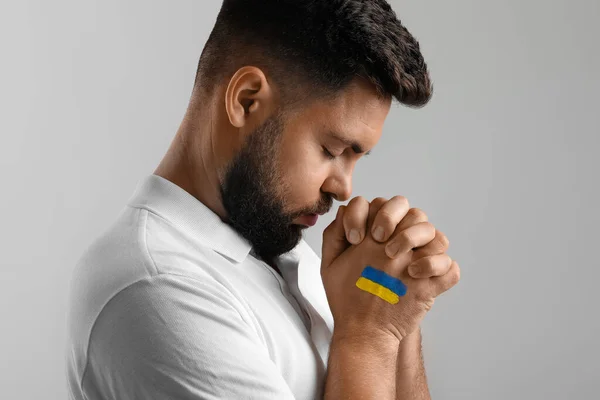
point(190, 163)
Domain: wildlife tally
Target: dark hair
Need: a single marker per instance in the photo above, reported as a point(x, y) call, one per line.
point(316, 47)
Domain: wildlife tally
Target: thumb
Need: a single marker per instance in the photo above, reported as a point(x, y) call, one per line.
point(334, 239)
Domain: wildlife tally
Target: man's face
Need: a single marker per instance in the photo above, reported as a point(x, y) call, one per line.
point(283, 173)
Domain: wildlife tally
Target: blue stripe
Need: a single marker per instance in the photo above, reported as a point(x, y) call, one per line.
point(377, 276)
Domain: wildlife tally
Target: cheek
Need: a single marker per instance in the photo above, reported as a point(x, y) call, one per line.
point(304, 176)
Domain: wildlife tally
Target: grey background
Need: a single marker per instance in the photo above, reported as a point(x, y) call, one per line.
point(503, 160)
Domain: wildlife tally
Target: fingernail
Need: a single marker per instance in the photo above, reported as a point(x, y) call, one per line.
point(378, 233)
point(354, 236)
point(391, 249)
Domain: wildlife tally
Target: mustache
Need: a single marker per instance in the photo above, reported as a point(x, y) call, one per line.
point(322, 207)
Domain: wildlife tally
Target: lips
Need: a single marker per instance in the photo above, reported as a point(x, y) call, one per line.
point(308, 219)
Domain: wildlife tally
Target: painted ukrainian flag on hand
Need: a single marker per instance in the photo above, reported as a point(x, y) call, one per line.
point(381, 285)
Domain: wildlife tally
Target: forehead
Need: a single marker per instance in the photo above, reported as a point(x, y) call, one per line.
point(357, 113)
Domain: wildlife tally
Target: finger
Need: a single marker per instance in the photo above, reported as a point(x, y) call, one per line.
point(374, 207)
point(438, 245)
point(355, 219)
point(388, 217)
point(448, 280)
point(430, 266)
point(334, 239)
point(413, 217)
point(411, 237)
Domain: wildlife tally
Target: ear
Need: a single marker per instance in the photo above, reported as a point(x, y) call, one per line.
point(249, 97)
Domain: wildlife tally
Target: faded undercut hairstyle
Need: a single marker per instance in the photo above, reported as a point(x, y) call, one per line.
point(314, 48)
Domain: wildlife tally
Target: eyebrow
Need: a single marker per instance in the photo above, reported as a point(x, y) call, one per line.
point(356, 147)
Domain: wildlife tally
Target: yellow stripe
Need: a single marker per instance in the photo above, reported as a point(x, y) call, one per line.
point(375, 288)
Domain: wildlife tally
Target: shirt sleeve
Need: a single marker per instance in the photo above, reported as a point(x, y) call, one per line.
point(173, 337)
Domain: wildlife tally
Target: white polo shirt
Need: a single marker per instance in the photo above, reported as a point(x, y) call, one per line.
point(171, 303)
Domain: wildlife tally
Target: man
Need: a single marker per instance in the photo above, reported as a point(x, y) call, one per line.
point(203, 287)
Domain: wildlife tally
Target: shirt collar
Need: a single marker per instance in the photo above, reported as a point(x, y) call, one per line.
point(171, 202)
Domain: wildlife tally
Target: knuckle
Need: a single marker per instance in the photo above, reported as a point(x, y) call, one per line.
point(357, 201)
point(455, 274)
point(430, 227)
point(428, 230)
point(418, 213)
point(384, 217)
point(400, 199)
point(378, 201)
point(442, 238)
point(406, 236)
point(430, 263)
point(424, 266)
point(449, 260)
point(440, 264)
point(421, 296)
point(354, 214)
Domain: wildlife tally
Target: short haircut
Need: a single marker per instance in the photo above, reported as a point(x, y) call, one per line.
point(315, 48)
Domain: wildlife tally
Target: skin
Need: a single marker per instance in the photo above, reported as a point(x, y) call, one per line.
point(421, 246)
point(399, 221)
point(215, 130)
point(210, 136)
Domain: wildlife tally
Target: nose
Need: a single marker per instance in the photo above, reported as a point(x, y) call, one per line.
point(340, 187)
point(345, 191)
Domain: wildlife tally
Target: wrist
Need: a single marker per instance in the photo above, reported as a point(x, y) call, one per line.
point(378, 341)
point(409, 351)
point(361, 366)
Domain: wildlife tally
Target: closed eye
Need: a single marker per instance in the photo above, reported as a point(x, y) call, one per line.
point(328, 153)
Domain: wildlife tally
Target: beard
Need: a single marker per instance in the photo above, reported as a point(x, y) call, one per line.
point(249, 191)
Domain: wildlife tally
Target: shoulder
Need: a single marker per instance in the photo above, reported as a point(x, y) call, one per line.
point(170, 334)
